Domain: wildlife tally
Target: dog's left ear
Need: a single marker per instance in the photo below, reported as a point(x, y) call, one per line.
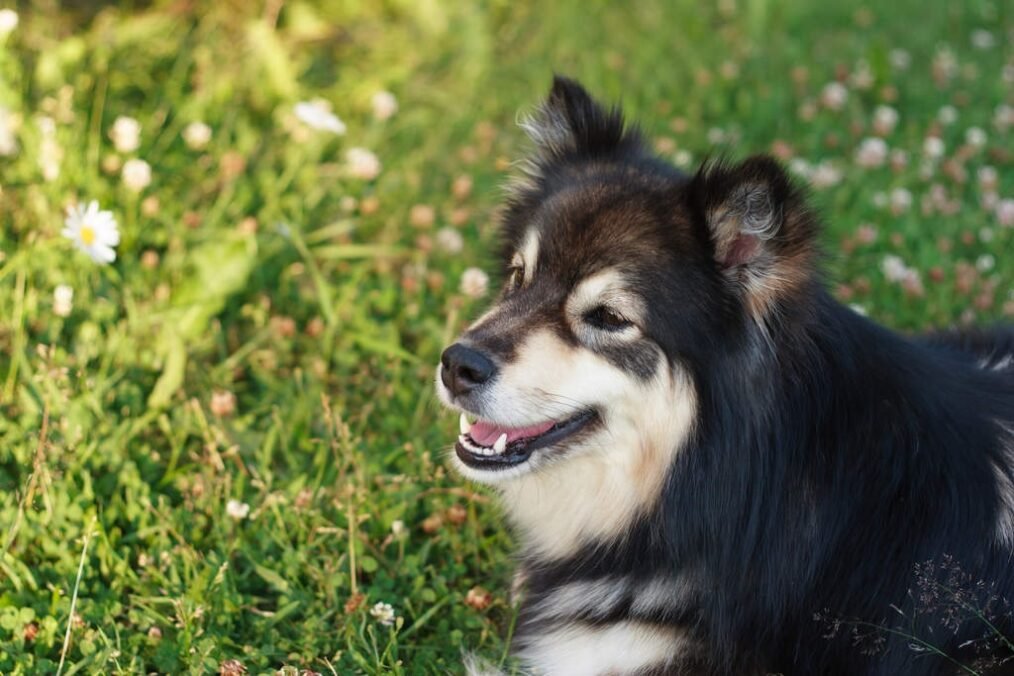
point(761, 232)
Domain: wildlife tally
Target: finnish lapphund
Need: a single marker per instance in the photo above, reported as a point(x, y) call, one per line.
point(712, 466)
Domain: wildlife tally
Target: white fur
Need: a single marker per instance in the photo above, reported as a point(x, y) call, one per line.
point(662, 593)
point(590, 489)
point(620, 648)
point(1004, 528)
point(595, 597)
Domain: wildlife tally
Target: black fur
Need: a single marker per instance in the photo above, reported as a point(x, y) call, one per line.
point(837, 469)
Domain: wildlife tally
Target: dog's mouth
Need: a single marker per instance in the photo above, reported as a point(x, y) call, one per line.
point(486, 445)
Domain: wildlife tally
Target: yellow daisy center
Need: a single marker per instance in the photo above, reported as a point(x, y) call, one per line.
point(87, 234)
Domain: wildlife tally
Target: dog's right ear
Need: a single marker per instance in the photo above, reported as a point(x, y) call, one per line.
point(572, 124)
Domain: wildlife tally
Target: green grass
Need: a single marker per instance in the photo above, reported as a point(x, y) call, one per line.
point(258, 267)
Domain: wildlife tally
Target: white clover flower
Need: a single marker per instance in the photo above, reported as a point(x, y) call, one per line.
point(983, 39)
point(362, 163)
point(237, 510)
point(872, 152)
point(933, 147)
point(900, 200)
point(945, 64)
point(93, 231)
point(879, 199)
point(63, 300)
point(383, 613)
point(450, 240)
point(975, 137)
point(716, 135)
point(900, 59)
point(800, 167)
point(8, 125)
point(947, 115)
point(894, 268)
point(683, 158)
point(125, 134)
point(1005, 212)
point(834, 95)
point(862, 77)
point(985, 263)
point(988, 178)
point(384, 105)
point(474, 283)
point(136, 175)
point(885, 118)
point(1003, 117)
point(8, 21)
point(397, 528)
point(317, 115)
point(196, 135)
point(986, 235)
point(825, 175)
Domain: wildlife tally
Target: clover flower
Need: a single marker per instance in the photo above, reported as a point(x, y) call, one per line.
point(383, 613)
point(317, 115)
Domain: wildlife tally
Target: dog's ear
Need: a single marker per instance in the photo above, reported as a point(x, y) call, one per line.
point(761, 232)
point(571, 123)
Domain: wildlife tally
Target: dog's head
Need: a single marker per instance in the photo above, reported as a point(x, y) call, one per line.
point(624, 280)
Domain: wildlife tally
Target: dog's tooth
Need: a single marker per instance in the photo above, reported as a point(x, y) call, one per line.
point(501, 444)
point(464, 425)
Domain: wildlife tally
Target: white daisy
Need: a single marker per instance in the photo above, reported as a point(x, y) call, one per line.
point(93, 231)
point(317, 115)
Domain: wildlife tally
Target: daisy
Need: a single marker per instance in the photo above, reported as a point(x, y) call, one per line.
point(317, 115)
point(93, 231)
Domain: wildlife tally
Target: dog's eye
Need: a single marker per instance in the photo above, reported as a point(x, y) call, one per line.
point(606, 319)
point(517, 277)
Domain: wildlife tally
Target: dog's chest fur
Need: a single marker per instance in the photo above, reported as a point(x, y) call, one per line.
point(609, 624)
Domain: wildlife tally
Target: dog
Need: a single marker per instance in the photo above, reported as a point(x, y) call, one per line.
point(711, 465)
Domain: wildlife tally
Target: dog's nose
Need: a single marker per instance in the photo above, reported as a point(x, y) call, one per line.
point(464, 369)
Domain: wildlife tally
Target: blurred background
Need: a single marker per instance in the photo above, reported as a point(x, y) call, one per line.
point(219, 447)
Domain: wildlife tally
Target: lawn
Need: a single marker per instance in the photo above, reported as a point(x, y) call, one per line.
point(221, 451)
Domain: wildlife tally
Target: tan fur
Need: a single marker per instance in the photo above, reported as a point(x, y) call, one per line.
point(596, 487)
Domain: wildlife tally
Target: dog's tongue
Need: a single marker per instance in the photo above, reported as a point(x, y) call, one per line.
point(486, 433)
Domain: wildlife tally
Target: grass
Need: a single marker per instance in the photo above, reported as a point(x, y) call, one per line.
point(269, 329)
